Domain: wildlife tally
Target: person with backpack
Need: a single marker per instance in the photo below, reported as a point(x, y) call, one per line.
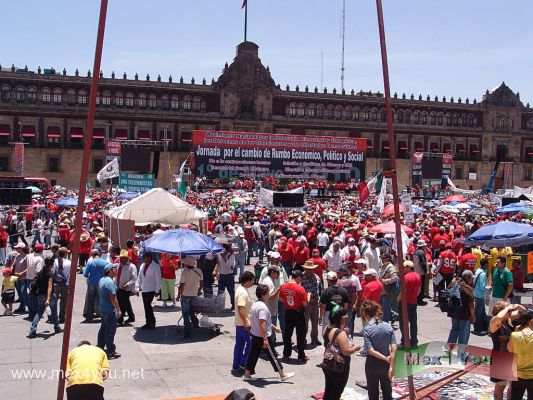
point(61, 274)
point(461, 309)
point(480, 282)
point(502, 283)
point(42, 288)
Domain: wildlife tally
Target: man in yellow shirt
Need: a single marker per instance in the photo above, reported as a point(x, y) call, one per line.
point(87, 368)
point(521, 343)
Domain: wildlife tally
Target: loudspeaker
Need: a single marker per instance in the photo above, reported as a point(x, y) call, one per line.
point(155, 165)
point(15, 197)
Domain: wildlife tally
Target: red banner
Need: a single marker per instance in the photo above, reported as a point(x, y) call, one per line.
point(113, 148)
point(19, 159)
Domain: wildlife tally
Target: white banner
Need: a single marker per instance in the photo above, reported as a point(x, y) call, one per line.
point(455, 189)
point(407, 202)
point(110, 170)
point(382, 194)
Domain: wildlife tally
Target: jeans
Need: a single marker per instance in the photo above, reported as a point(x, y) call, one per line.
point(377, 374)
point(187, 312)
point(386, 304)
point(3, 256)
point(294, 320)
point(41, 307)
point(412, 317)
point(481, 317)
point(106, 334)
point(242, 347)
point(22, 291)
point(281, 316)
point(226, 281)
point(460, 333)
point(36, 238)
point(47, 240)
point(148, 297)
point(519, 387)
point(240, 260)
point(92, 292)
point(123, 298)
point(61, 292)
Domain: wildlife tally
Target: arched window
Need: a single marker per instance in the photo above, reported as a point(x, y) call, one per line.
point(320, 111)
point(165, 103)
point(174, 102)
point(21, 94)
point(152, 101)
point(433, 118)
point(57, 98)
point(32, 95)
point(129, 99)
point(374, 115)
point(455, 120)
point(106, 98)
point(407, 117)
point(383, 116)
point(82, 97)
point(530, 124)
point(141, 100)
point(311, 111)
point(5, 93)
point(187, 103)
point(448, 119)
point(439, 119)
point(329, 111)
point(464, 121)
point(365, 114)
point(337, 112)
point(416, 117)
point(197, 103)
point(119, 99)
point(301, 110)
point(400, 118)
point(471, 121)
point(45, 95)
point(424, 118)
point(356, 113)
point(71, 96)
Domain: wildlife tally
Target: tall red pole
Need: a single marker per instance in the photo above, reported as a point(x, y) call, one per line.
point(81, 197)
point(394, 179)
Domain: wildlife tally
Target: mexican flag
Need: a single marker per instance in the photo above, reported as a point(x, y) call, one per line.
point(371, 186)
point(182, 184)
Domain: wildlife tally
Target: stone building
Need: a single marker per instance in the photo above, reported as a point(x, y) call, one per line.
point(47, 110)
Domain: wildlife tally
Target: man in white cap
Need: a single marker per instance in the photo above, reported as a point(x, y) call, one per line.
point(421, 267)
point(240, 249)
point(311, 284)
point(191, 283)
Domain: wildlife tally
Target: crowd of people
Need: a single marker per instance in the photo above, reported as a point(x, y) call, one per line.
point(318, 270)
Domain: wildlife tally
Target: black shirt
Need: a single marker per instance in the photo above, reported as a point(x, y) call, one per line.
point(334, 294)
point(42, 279)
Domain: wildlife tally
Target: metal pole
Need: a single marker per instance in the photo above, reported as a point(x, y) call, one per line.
point(343, 36)
point(81, 198)
point(245, 21)
point(394, 179)
point(165, 159)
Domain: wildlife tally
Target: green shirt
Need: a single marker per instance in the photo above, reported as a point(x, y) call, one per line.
point(500, 282)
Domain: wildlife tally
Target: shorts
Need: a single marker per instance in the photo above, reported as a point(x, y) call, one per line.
point(8, 296)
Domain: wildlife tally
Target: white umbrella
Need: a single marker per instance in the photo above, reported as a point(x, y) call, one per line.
point(447, 208)
point(463, 206)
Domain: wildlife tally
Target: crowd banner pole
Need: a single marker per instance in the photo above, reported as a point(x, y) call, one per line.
point(394, 180)
point(81, 198)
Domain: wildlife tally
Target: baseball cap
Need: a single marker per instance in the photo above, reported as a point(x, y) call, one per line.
point(421, 243)
point(371, 271)
point(297, 273)
point(331, 276)
point(38, 247)
point(315, 251)
point(275, 254)
point(20, 246)
point(109, 267)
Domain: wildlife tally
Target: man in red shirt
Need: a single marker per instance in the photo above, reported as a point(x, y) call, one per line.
point(320, 263)
point(295, 298)
point(287, 254)
point(467, 260)
point(446, 266)
point(412, 287)
point(373, 286)
point(301, 253)
point(438, 237)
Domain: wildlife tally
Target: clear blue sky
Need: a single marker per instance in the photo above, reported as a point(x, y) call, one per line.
point(452, 48)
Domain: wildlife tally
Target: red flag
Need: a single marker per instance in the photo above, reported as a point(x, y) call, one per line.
point(363, 192)
point(244, 3)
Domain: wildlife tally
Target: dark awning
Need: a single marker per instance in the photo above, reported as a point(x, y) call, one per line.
point(447, 147)
point(53, 132)
point(402, 145)
point(76, 132)
point(435, 148)
point(5, 130)
point(419, 146)
point(98, 133)
point(529, 151)
point(186, 136)
point(121, 134)
point(143, 134)
point(460, 148)
point(369, 145)
point(385, 145)
point(28, 131)
point(474, 149)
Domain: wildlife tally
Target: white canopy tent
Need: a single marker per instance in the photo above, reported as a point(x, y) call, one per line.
point(157, 206)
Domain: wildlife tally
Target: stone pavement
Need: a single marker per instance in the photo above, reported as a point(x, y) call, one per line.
point(160, 364)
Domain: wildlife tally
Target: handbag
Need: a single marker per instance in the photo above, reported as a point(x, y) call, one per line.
point(333, 360)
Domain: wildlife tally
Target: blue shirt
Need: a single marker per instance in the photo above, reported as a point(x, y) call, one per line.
point(480, 280)
point(379, 336)
point(106, 288)
point(95, 270)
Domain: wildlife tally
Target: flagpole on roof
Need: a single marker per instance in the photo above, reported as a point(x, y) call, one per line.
point(81, 197)
point(392, 173)
point(245, 6)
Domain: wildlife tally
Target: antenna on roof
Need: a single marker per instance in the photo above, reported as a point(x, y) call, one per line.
point(343, 32)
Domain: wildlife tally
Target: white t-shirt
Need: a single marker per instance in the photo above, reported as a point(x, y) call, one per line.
point(372, 257)
point(260, 311)
point(333, 259)
point(323, 239)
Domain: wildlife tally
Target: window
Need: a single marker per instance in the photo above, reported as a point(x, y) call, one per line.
point(448, 119)
point(57, 98)
point(337, 113)
point(301, 111)
point(424, 119)
point(527, 174)
point(383, 116)
point(374, 115)
point(53, 164)
point(71, 97)
point(141, 101)
point(4, 164)
point(366, 115)
point(32, 95)
point(400, 116)
point(6, 93)
point(98, 164)
point(21, 94)
point(407, 117)
point(129, 101)
point(433, 119)
point(152, 102)
point(501, 123)
point(82, 98)
point(416, 118)
point(174, 103)
point(455, 120)
point(187, 104)
point(439, 119)
point(319, 112)
point(164, 102)
point(119, 101)
point(46, 95)
point(106, 98)
point(355, 114)
point(98, 100)
point(292, 110)
point(311, 112)
point(458, 173)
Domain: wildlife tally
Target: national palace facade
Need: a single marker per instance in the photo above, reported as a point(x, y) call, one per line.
point(47, 109)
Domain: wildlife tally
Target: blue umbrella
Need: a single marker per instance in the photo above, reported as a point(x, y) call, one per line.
point(418, 210)
point(502, 234)
point(70, 201)
point(511, 208)
point(453, 203)
point(431, 203)
point(128, 195)
point(182, 241)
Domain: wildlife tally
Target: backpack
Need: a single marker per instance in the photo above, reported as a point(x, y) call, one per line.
point(34, 286)
point(240, 394)
point(450, 301)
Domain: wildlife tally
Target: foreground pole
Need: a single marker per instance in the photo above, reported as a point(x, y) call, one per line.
point(81, 198)
point(394, 179)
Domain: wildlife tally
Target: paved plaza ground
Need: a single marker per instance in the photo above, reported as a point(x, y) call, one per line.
point(160, 364)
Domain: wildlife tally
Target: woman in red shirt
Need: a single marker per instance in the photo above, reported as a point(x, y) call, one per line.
point(169, 265)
